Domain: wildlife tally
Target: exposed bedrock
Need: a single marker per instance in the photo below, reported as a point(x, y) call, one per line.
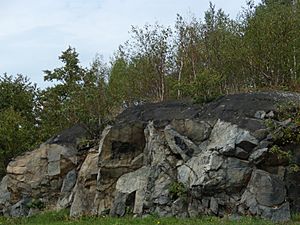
point(172, 159)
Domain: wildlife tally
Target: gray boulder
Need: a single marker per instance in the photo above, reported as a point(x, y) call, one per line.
point(266, 196)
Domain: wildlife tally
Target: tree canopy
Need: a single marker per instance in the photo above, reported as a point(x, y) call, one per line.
point(18, 117)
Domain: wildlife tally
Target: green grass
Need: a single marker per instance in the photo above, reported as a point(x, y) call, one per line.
point(62, 218)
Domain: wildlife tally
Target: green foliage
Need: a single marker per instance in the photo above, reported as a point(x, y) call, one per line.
point(294, 168)
point(61, 218)
point(128, 210)
point(284, 135)
point(274, 52)
point(18, 93)
point(207, 86)
point(36, 204)
point(177, 190)
point(78, 96)
point(285, 130)
point(119, 82)
point(202, 59)
point(18, 118)
point(288, 111)
point(281, 154)
point(16, 136)
point(145, 62)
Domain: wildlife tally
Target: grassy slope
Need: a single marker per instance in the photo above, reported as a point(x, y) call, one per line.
point(61, 218)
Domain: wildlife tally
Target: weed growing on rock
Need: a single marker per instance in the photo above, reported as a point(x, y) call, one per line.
point(281, 154)
point(288, 110)
point(294, 168)
point(36, 204)
point(285, 131)
point(177, 190)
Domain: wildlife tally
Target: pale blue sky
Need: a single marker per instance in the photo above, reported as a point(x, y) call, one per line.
point(33, 33)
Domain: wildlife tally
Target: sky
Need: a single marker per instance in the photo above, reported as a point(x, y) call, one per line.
point(33, 33)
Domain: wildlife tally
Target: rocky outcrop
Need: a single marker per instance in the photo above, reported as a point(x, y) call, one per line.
point(172, 159)
point(44, 177)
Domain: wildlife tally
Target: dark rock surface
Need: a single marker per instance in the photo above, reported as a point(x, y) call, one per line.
point(160, 113)
point(69, 136)
point(240, 109)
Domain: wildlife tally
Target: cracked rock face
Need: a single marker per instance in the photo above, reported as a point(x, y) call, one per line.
point(172, 159)
point(266, 196)
point(46, 175)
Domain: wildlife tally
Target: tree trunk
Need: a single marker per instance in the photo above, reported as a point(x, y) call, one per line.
point(179, 79)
